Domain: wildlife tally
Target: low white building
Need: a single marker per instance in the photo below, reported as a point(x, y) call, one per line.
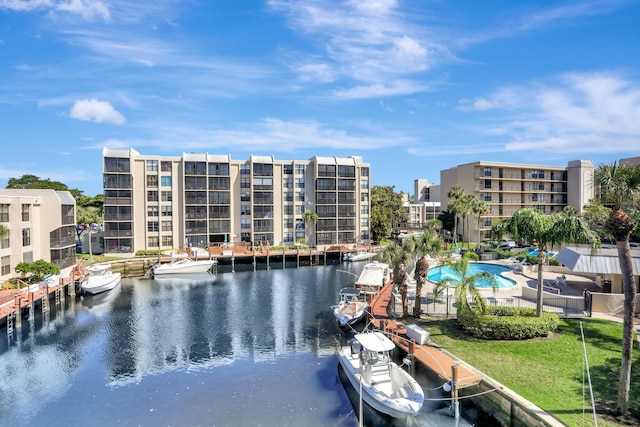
point(41, 226)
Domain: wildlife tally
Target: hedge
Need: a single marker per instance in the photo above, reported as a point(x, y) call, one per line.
point(508, 323)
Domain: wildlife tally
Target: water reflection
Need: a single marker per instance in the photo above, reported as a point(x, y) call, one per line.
point(242, 348)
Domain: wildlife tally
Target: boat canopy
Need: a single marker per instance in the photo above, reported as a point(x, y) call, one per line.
point(375, 341)
point(373, 274)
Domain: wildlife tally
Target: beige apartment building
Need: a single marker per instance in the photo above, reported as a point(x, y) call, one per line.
point(196, 200)
point(508, 187)
point(41, 225)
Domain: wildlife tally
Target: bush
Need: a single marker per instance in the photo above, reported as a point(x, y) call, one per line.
point(508, 323)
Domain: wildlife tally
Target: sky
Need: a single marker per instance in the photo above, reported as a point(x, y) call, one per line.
point(411, 86)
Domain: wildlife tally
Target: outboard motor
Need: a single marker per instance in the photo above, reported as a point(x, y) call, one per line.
point(355, 346)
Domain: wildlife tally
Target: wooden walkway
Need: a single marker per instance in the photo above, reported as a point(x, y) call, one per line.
point(432, 358)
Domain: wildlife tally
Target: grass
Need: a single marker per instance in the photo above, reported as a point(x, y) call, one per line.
point(551, 372)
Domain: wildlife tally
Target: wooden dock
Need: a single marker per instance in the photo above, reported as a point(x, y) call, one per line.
point(432, 358)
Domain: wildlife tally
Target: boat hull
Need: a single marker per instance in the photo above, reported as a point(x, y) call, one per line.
point(193, 267)
point(93, 287)
point(348, 313)
point(389, 404)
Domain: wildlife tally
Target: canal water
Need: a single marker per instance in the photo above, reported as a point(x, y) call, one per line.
point(252, 348)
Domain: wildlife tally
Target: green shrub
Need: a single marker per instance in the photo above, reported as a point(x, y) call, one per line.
point(508, 323)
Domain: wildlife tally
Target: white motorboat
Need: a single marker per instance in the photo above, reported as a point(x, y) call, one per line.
point(384, 385)
point(50, 280)
point(352, 306)
point(182, 264)
point(100, 279)
point(360, 255)
point(373, 276)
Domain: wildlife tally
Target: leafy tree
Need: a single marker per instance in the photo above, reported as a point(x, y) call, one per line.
point(596, 215)
point(532, 225)
point(34, 182)
point(618, 186)
point(465, 285)
point(37, 269)
point(386, 210)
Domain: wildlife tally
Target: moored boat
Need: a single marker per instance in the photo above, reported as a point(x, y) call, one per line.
point(360, 255)
point(182, 264)
point(373, 276)
point(384, 385)
point(352, 306)
point(100, 279)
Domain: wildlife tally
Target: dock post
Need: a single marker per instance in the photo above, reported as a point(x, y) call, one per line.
point(412, 357)
point(31, 305)
point(18, 311)
point(454, 390)
point(45, 298)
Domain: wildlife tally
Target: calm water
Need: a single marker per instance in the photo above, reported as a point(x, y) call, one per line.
point(232, 349)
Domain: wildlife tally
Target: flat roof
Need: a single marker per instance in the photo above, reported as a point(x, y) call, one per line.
point(602, 261)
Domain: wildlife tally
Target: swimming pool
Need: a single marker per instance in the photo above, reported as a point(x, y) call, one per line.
point(436, 274)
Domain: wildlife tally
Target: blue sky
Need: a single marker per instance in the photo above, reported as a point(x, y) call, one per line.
point(411, 86)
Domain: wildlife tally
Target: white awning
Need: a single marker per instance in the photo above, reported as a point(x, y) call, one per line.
point(604, 261)
point(375, 341)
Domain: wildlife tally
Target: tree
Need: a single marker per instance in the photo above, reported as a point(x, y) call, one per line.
point(532, 225)
point(466, 209)
point(398, 256)
point(420, 246)
point(386, 210)
point(37, 269)
point(32, 181)
point(309, 217)
point(465, 285)
point(456, 192)
point(596, 215)
point(618, 186)
point(480, 207)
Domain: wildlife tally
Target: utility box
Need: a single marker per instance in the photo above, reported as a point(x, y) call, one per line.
point(417, 334)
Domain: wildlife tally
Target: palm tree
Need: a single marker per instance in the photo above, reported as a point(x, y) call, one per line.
point(309, 217)
point(454, 206)
point(465, 285)
point(398, 256)
point(480, 207)
point(425, 244)
point(618, 186)
point(532, 225)
point(466, 209)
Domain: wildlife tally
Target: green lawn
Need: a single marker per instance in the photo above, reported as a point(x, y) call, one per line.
point(551, 372)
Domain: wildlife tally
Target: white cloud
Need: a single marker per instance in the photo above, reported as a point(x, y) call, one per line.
point(88, 9)
point(576, 113)
point(96, 111)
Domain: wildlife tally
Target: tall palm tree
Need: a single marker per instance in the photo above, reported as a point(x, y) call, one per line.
point(532, 225)
point(454, 206)
point(309, 217)
point(398, 256)
point(618, 186)
point(466, 210)
point(425, 244)
point(465, 285)
point(480, 207)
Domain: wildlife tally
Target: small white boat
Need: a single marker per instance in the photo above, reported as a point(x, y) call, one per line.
point(385, 386)
point(373, 276)
point(100, 279)
point(360, 255)
point(182, 264)
point(352, 306)
point(49, 280)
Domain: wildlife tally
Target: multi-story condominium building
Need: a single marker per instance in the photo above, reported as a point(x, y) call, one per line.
point(41, 225)
point(158, 202)
point(508, 187)
point(425, 205)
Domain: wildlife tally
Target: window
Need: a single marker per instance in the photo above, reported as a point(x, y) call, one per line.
point(245, 182)
point(299, 169)
point(152, 196)
point(287, 183)
point(287, 169)
point(220, 183)
point(152, 180)
point(152, 211)
point(364, 171)
point(165, 181)
point(219, 169)
point(167, 241)
point(25, 212)
point(152, 166)
point(114, 164)
point(326, 170)
point(26, 237)
point(364, 209)
point(6, 265)
point(219, 197)
point(288, 209)
point(167, 226)
point(245, 223)
point(364, 184)
point(347, 171)
point(299, 196)
point(245, 169)
point(152, 225)
point(364, 222)
point(167, 196)
point(288, 196)
point(4, 213)
point(245, 196)
point(262, 169)
point(153, 241)
point(288, 237)
point(165, 166)
point(487, 184)
point(195, 168)
point(245, 209)
point(364, 197)
point(487, 197)
point(486, 171)
point(299, 182)
point(263, 183)
point(487, 222)
point(299, 209)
